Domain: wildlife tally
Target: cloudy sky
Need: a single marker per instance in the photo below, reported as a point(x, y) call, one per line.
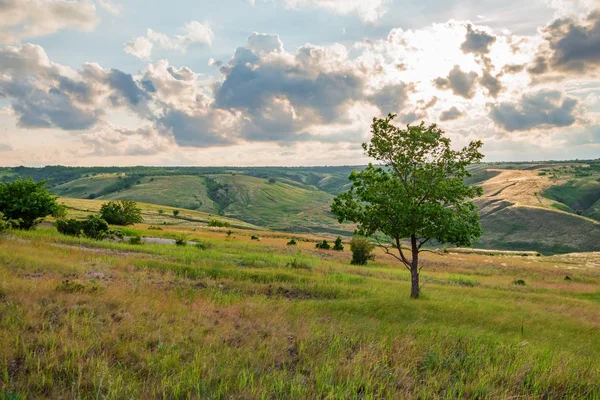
point(292, 82)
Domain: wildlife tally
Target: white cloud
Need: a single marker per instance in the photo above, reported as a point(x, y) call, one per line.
point(111, 7)
point(367, 10)
point(194, 32)
point(23, 19)
point(140, 47)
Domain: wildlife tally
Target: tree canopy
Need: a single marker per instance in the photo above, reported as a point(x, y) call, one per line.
point(26, 202)
point(416, 192)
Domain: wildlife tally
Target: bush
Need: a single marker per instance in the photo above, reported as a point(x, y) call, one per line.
point(338, 246)
point(218, 224)
point(70, 227)
point(123, 212)
point(272, 180)
point(93, 227)
point(361, 250)
point(175, 213)
point(181, 240)
point(519, 282)
point(135, 240)
point(255, 237)
point(27, 203)
point(292, 242)
point(229, 233)
point(323, 245)
point(160, 212)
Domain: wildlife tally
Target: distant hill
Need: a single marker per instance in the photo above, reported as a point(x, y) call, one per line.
point(551, 207)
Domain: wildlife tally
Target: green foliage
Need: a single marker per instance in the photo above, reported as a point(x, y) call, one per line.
point(181, 240)
point(94, 227)
point(272, 180)
point(292, 242)
point(338, 246)
point(70, 227)
point(123, 212)
point(298, 263)
point(218, 224)
point(229, 233)
point(137, 240)
point(27, 202)
point(161, 212)
point(362, 250)
point(323, 245)
point(6, 224)
point(519, 282)
point(419, 193)
point(255, 237)
point(175, 213)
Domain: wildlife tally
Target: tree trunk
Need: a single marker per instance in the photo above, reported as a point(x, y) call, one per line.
point(414, 269)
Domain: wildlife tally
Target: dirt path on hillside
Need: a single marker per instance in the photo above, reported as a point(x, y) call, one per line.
point(518, 187)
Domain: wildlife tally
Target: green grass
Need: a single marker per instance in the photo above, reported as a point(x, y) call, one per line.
point(581, 194)
point(246, 319)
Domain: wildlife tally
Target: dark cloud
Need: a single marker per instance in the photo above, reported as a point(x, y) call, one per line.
point(476, 41)
point(513, 68)
point(491, 83)
point(36, 108)
point(451, 114)
point(572, 46)
point(125, 85)
point(544, 109)
point(539, 66)
point(193, 130)
point(461, 83)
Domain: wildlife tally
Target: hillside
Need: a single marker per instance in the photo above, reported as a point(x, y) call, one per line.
point(552, 207)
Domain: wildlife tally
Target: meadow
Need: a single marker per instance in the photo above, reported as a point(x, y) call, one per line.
point(233, 317)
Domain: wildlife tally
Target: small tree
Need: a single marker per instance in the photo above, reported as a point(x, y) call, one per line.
point(338, 246)
point(417, 194)
point(124, 212)
point(323, 245)
point(272, 180)
point(361, 250)
point(175, 213)
point(27, 202)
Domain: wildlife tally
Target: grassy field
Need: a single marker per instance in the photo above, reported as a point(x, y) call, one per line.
point(240, 318)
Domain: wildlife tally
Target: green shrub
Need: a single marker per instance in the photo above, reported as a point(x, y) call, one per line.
point(181, 240)
point(323, 245)
point(137, 240)
point(27, 203)
point(70, 227)
point(338, 246)
point(362, 250)
point(519, 282)
point(229, 233)
point(255, 237)
point(123, 212)
point(95, 227)
point(292, 242)
point(218, 224)
point(175, 213)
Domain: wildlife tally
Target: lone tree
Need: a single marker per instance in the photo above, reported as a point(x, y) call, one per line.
point(123, 212)
point(417, 192)
point(27, 203)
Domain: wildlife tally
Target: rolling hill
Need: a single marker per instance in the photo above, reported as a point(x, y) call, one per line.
point(553, 207)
